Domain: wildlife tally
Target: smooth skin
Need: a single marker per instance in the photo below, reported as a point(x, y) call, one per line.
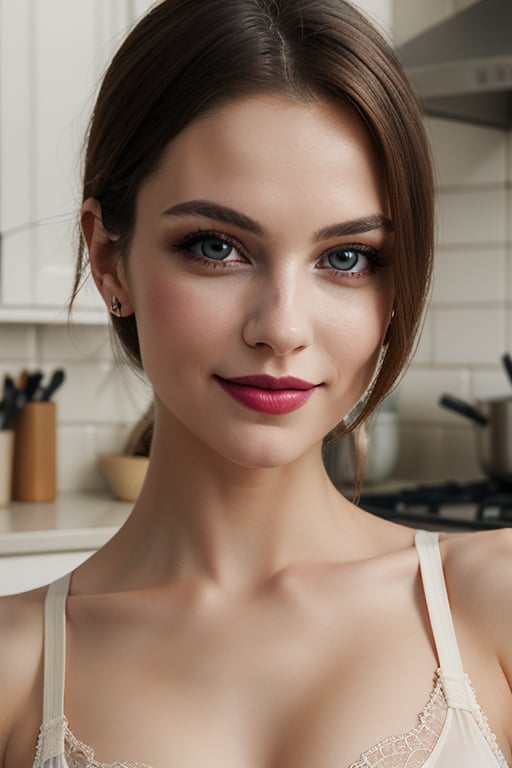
point(247, 614)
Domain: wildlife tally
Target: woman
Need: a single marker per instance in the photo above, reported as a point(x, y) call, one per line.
point(258, 218)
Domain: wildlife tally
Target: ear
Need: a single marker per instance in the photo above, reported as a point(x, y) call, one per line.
point(104, 257)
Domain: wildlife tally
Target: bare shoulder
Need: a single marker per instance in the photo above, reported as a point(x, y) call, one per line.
point(478, 569)
point(21, 643)
point(478, 566)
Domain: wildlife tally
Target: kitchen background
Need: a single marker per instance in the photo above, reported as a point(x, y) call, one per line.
point(51, 56)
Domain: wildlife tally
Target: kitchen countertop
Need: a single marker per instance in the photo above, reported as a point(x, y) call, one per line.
point(75, 522)
point(71, 523)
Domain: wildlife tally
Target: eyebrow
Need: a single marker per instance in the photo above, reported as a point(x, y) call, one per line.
point(228, 215)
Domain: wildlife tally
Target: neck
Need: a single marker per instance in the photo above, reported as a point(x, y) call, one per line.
point(200, 516)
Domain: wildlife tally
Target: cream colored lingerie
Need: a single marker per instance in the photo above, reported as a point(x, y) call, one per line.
point(451, 731)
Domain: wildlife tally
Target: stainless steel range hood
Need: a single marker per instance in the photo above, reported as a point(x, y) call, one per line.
point(462, 67)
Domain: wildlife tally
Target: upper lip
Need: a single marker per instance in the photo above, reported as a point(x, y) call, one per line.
point(264, 381)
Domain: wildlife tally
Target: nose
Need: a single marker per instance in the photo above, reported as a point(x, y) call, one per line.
point(279, 316)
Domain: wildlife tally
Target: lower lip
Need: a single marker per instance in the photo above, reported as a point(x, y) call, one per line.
point(273, 401)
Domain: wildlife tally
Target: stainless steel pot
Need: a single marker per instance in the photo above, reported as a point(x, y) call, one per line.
point(493, 428)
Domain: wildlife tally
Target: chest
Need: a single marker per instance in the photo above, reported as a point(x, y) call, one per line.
point(278, 683)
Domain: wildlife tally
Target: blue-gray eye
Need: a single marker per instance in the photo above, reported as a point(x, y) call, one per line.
point(212, 248)
point(344, 260)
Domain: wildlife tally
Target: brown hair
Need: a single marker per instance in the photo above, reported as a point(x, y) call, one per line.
point(189, 56)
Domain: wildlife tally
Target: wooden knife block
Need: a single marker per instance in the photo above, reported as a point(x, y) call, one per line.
point(35, 452)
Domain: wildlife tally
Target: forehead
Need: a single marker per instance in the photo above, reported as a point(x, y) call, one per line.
point(272, 151)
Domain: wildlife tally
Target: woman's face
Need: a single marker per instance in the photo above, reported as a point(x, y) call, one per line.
point(261, 249)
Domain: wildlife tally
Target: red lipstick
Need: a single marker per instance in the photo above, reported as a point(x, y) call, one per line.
point(268, 394)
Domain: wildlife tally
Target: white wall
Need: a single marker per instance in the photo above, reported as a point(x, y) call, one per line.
point(410, 17)
point(380, 12)
point(469, 324)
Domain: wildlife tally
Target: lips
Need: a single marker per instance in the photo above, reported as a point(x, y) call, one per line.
point(268, 394)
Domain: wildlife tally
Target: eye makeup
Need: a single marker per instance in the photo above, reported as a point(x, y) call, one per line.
point(214, 249)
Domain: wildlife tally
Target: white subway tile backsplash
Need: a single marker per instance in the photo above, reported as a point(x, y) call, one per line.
point(17, 344)
point(424, 351)
point(431, 453)
point(101, 393)
point(111, 439)
point(82, 343)
point(472, 216)
point(461, 454)
point(470, 275)
point(469, 336)
point(489, 383)
point(468, 154)
point(78, 448)
point(420, 455)
point(76, 458)
point(508, 347)
point(419, 393)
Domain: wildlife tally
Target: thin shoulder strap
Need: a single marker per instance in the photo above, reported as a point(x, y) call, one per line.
point(55, 649)
point(431, 567)
point(457, 687)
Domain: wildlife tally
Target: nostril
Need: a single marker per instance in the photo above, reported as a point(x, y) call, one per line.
point(279, 320)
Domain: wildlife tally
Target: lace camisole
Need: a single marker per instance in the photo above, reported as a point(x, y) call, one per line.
point(451, 729)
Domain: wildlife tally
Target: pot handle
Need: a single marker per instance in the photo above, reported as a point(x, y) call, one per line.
point(507, 364)
point(464, 409)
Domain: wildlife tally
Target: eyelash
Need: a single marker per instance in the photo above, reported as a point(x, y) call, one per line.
point(374, 257)
point(185, 245)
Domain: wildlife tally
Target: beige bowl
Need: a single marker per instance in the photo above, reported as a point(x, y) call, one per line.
point(124, 474)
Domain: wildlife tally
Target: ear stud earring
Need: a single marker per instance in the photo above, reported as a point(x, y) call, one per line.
point(116, 307)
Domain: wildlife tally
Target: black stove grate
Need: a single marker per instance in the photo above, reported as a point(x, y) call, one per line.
point(489, 504)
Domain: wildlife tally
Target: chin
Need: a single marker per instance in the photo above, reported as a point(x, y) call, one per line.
point(265, 462)
point(273, 454)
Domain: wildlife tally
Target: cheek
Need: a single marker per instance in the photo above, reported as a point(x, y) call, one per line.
point(177, 314)
point(358, 327)
point(357, 331)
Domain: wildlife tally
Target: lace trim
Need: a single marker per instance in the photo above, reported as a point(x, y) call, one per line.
point(411, 749)
point(81, 756)
point(407, 750)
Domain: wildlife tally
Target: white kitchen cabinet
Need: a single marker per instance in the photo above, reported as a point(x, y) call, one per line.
point(381, 11)
point(52, 55)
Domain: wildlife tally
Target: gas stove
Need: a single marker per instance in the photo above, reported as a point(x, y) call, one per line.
point(449, 506)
